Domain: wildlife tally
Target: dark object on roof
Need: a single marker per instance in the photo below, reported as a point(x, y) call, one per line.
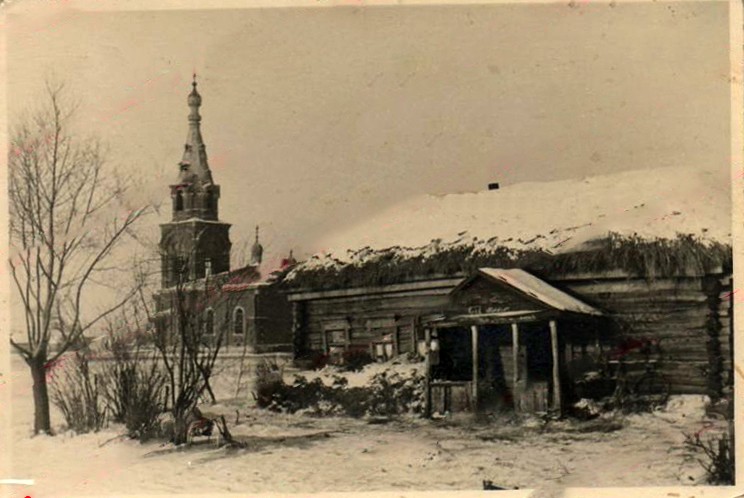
point(489, 486)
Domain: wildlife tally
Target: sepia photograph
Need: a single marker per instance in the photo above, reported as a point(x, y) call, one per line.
point(356, 246)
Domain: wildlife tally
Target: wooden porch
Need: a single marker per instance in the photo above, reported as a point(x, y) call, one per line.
point(515, 347)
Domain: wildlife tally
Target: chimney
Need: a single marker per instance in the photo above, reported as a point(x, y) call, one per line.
point(493, 186)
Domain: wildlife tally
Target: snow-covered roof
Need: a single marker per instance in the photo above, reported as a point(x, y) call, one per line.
point(557, 216)
point(538, 289)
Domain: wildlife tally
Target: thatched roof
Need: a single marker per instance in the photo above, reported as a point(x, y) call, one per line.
point(666, 221)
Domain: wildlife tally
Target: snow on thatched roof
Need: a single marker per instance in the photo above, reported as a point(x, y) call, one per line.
point(655, 210)
point(555, 216)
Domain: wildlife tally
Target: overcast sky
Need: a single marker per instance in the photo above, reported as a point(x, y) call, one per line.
point(315, 118)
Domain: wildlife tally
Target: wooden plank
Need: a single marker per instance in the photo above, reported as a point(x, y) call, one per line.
point(633, 285)
point(515, 353)
point(427, 373)
point(557, 399)
point(447, 283)
point(396, 342)
point(414, 342)
point(688, 274)
point(474, 333)
point(465, 320)
point(377, 308)
point(382, 306)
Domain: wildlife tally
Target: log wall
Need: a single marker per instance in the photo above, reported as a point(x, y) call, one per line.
point(689, 317)
point(367, 320)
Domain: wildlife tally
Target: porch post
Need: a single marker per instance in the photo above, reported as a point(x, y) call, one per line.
point(515, 354)
point(557, 398)
point(474, 332)
point(427, 372)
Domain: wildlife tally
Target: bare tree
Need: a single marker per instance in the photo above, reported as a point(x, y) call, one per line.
point(67, 218)
point(189, 341)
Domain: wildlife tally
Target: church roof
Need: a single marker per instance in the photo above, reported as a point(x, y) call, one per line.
point(194, 164)
point(240, 279)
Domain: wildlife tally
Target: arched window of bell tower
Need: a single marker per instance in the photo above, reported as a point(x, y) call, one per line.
point(179, 201)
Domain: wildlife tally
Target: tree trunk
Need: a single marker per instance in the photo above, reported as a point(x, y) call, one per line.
point(180, 428)
point(42, 421)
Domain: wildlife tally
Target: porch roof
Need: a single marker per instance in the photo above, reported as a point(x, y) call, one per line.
point(534, 288)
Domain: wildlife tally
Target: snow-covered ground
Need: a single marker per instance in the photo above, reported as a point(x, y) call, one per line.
point(553, 216)
point(294, 453)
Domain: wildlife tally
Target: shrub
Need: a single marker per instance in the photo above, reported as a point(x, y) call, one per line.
point(356, 359)
point(718, 457)
point(77, 394)
point(268, 381)
point(386, 395)
point(133, 386)
point(393, 394)
point(135, 394)
point(318, 361)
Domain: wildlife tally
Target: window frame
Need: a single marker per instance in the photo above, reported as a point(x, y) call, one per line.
point(242, 322)
point(336, 326)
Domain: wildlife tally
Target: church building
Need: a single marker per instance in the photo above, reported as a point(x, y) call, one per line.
point(197, 284)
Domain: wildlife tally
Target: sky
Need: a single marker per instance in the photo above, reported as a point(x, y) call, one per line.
point(315, 119)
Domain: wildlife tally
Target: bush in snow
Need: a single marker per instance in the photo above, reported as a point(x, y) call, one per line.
point(268, 381)
point(354, 360)
point(133, 388)
point(717, 456)
point(78, 395)
point(386, 395)
point(394, 394)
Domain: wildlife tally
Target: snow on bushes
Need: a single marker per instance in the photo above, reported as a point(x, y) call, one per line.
point(387, 393)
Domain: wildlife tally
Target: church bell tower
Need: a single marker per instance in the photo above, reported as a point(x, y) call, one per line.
point(195, 242)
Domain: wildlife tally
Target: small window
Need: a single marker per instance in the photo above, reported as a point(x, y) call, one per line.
point(179, 201)
point(238, 321)
point(209, 322)
point(385, 337)
point(336, 338)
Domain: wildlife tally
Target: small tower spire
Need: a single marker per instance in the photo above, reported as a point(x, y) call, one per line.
point(194, 193)
point(256, 251)
point(194, 165)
